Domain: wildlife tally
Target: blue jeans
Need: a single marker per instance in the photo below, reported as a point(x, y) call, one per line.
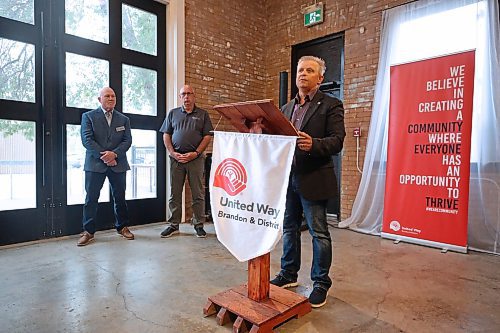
point(315, 215)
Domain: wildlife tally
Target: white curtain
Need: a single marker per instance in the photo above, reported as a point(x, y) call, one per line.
point(421, 30)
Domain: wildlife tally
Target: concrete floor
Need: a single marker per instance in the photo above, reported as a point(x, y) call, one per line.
point(161, 285)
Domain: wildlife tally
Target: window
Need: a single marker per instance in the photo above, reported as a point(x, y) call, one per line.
point(17, 164)
point(138, 30)
point(85, 76)
point(141, 180)
point(91, 14)
point(22, 11)
point(75, 159)
point(425, 29)
point(139, 90)
point(55, 57)
point(17, 71)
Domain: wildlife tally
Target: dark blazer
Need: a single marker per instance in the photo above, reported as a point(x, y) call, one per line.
point(97, 137)
point(324, 122)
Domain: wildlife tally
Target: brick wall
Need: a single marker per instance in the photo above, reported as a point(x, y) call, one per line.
point(224, 52)
point(235, 51)
point(224, 56)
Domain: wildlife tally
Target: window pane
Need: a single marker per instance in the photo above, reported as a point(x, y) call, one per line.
point(23, 11)
point(141, 180)
point(17, 164)
point(442, 33)
point(17, 71)
point(85, 76)
point(139, 90)
point(451, 31)
point(88, 19)
point(138, 30)
point(75, 157)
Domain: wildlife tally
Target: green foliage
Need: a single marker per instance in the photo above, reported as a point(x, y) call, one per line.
point(11, 127)
point(87, 19)
point(84, 76)
point(17, 71)
point(139, 84)
point(20, 10)
point(139, 30)
point(73, 131)
point(139, 91)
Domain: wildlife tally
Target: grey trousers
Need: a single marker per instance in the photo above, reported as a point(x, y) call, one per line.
point(194, 171)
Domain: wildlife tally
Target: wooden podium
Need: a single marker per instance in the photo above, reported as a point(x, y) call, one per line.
point(264, 112)
point(256, 306)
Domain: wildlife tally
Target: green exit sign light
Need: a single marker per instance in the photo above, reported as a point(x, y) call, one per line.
point(313, 15)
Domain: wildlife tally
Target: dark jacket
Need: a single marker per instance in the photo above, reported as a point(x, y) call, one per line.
point(324, 122)
point(97, 137)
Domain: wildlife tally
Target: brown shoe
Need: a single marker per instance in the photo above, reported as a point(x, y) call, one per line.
point(126, 233)
point(85, 239)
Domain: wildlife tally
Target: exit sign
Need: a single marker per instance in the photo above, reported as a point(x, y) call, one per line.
point(313, 14)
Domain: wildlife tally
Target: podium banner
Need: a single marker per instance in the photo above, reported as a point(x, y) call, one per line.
point(248, 184)
point(428, 154)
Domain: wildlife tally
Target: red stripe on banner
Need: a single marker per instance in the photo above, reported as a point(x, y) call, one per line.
point(428, 153)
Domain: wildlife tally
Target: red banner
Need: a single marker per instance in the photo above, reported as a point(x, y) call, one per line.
point(428, 154)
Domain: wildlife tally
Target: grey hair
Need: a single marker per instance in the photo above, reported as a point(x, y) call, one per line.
point(319, 61)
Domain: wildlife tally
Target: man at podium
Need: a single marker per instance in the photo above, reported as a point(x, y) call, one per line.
point(319, 119)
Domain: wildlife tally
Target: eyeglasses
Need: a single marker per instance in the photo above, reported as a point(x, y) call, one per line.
point(182, 94)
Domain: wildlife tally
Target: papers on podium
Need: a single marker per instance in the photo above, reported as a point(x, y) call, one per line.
point(243, 115)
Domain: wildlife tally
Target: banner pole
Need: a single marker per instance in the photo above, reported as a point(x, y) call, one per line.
point(258, 277)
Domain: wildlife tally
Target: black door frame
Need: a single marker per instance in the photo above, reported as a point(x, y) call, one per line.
point(52, 217)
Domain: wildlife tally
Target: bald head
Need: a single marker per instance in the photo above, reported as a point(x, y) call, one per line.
point(107, 98)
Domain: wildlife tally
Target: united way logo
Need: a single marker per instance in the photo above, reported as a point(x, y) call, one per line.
point(394, 225)
point(231, 176)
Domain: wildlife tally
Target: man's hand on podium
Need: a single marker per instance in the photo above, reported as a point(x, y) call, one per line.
point(257, 126)
point(304, 142)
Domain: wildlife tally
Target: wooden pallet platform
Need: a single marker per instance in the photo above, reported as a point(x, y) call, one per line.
point(253, 316)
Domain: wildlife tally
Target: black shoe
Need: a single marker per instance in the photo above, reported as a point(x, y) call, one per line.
point(170, 231)
point(280, 281)
point(317, 298)
point(200, 233)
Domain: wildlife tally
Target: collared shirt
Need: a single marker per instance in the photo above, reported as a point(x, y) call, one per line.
point(300, 110)
point(187, 129)
point(106, 113)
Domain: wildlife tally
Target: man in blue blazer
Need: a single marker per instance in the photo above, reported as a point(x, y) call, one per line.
point(319, 120)
point(107, 136)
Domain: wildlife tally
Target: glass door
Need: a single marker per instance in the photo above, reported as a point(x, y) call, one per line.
point(23, 176)
point(54, 59)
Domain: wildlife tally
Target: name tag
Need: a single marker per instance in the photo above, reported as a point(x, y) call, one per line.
point(121, 128)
